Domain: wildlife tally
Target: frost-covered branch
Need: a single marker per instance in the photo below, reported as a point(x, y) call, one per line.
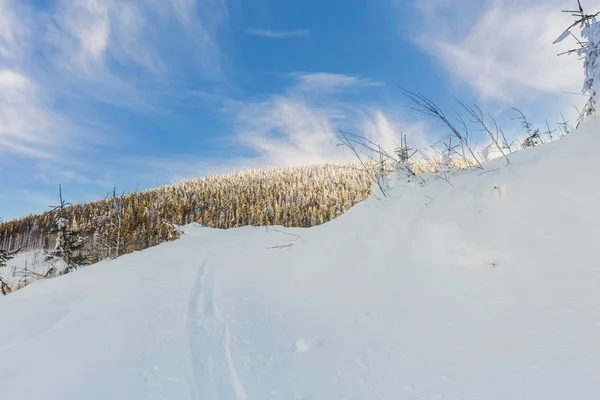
point(589, 49)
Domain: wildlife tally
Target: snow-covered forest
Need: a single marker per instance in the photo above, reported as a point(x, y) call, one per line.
point(122, 223)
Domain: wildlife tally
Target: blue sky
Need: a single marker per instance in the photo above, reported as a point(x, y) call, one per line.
point(140, 93)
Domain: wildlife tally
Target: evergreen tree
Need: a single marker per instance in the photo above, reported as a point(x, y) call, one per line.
point(5, 255)
point(589, 49)
point(69, 248)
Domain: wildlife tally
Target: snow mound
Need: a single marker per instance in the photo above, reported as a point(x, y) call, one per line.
point(485, 287)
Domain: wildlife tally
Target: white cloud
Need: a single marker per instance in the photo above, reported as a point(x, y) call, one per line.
point(89, 34)
point(300, 128)
point(102, 41)
point(12, 31)
point(87, 23)
point(80, 51)
point(327, 82)
point(27, 126)
point(288, 131)
point(10, 80)
point(505, 53)
point(271, 34)
point(285, 130)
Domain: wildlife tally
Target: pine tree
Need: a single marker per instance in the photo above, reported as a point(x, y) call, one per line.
point(5, 255)
point(69, 247)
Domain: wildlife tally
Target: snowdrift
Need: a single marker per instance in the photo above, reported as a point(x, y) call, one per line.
point(482, 288)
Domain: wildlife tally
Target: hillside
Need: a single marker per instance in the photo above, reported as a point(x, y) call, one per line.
point(484, 288)
point(294, 196)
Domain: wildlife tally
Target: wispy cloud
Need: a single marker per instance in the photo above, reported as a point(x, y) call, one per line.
point(13, 30)
point(322, 82)
point(81, 52)
point(27, 124)
point(118, 49)
point(299, 128)
point(290, 128)
point(287, 131)
point(271, 34)
point(506, 50)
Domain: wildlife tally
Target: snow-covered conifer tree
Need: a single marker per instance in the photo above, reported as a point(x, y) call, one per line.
point(5, 256)
point(68, 252)
point(591, 65)
point(589, 48)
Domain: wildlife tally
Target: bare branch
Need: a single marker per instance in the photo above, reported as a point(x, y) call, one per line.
point(372, 174)
point(427, 107)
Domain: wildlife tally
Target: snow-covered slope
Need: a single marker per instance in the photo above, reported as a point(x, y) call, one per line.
point(483, 289)
point(26, 267)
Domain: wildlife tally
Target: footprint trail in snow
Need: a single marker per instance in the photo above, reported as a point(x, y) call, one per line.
point(215, 376)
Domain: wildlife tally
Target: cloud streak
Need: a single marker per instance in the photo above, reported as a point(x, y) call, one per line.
point(58, 58)
point(321, 82)
point(302, 127)
point(296, 126)
point(506, 52)
point(117, 49)
point(27, 125)
point(271, 34)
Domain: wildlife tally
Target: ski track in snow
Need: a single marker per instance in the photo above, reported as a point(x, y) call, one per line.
point(215, 376)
